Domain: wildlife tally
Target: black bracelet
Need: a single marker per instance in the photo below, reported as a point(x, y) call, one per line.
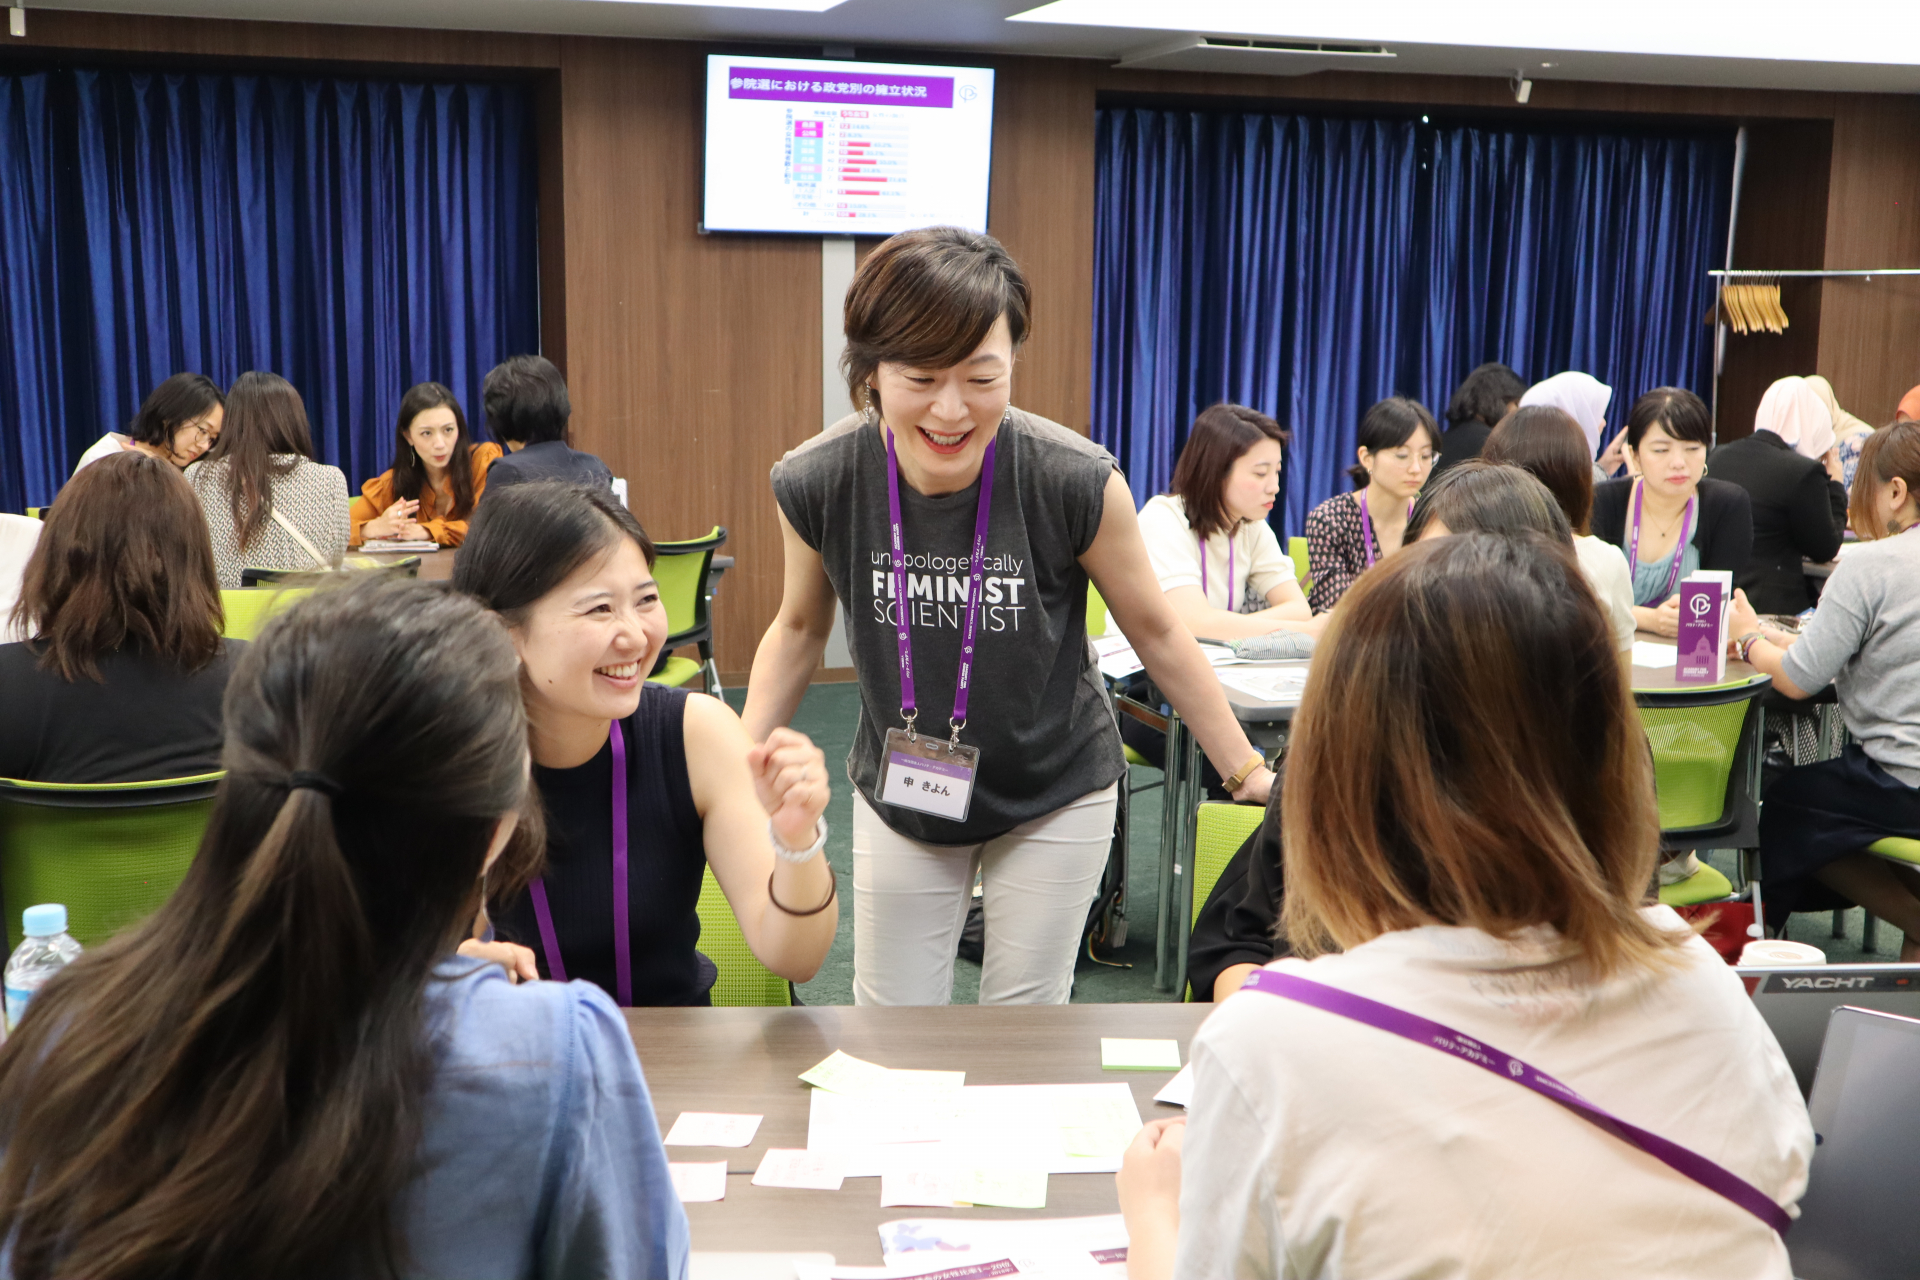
point(833, 891)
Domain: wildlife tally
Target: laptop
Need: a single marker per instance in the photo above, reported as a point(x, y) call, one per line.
point(1857, 1219)
point(1797, 1002)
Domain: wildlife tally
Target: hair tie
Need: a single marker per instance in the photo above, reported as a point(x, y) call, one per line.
point(307, 780)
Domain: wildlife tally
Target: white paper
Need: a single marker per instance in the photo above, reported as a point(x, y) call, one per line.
point(712, 1129)
point(910, 1244)
point(1647, 653)
point(984, 1127)
point(1116, 656)
point(927, 1186)
point(1179, 1090)
point(395, 546)
point(804, 1170)
point(699, 1181)
point(1221, 657)
point(1269, 684)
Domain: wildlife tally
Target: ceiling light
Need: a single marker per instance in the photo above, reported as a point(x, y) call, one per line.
point(1842, 31)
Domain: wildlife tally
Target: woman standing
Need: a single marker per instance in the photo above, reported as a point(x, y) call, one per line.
point(1668, 518)
point(958, 534)
point(268, 504)
point(1790, 468)
point(1348, 532)
point(643, 785)
point(438, 473)
point(1864, 639)
point(1208, 540)
point(178, 421)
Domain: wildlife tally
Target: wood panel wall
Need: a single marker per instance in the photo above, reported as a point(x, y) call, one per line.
point(694, 360)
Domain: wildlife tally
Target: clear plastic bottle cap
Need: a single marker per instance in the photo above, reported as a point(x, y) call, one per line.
point(44, 920)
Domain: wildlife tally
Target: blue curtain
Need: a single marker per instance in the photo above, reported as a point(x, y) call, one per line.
point(354, 236)
point(1311, 265)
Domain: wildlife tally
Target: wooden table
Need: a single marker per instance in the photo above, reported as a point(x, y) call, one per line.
point(749, 1060)
point(435, 566)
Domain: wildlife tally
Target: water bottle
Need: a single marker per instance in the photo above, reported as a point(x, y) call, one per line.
point(45, 951)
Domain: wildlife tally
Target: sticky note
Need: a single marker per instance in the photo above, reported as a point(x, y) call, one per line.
point(1097, 1126)
point(699, 1181)
point(843, 1073)
point(712, 1129)
point(920, 1187)
point(806, 1170)
point(1002, 1188)
point(1139, 1055)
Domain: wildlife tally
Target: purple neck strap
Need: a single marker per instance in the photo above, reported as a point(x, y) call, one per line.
point(1384, 1017)
point(622, 925)
point(1366, 527)
point(908, 709)
point(1203, 570)
point(1679, 548)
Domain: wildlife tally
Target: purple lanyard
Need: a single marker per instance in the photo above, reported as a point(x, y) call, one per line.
point(1384, 1017)
point(1203, 570)
point(1679, 548)
point(1366, 527)
point(908, 709)
point(622, 929)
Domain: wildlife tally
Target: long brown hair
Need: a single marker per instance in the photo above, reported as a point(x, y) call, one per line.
point(409, 473)
point(1221, 436)
point(266, 421)
point(124, 559)
point(237, 1086)
point(1549, 445)
point(1891, 451)
point(1433, 779)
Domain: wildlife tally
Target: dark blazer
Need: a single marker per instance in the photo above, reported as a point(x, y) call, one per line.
point(1461, 442)
point(548, 460)
point(1797, 511)
point(1723, 533)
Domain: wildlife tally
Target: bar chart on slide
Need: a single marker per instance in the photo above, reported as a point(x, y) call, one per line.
point(845, 148)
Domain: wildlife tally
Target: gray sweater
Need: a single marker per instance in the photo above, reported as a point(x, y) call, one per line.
point(1865, 639)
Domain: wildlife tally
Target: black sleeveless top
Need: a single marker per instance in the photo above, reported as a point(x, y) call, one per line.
point(665, 862)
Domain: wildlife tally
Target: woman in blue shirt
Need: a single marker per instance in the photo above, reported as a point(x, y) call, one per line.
point(287, 1070)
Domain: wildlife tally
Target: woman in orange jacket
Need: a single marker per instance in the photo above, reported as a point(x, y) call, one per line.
point(437, 476)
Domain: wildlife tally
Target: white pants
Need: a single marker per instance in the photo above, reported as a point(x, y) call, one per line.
point(910, 903)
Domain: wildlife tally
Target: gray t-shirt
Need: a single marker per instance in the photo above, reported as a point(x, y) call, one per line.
point(1865, 638)
point(1038, 711)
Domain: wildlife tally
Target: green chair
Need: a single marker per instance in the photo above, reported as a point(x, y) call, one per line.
point(1704, 885)
point(1302, 566)
point(680, 569)
point(111, 852)
point(247, 609)
point(1706, 767)
point(1897, 849)
point(1219, 831)
point(743, 979)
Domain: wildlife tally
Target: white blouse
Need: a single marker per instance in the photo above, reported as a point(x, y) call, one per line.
point(1250, 556)
point(1605, 566)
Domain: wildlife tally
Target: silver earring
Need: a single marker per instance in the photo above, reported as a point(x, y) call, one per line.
point(866, 406)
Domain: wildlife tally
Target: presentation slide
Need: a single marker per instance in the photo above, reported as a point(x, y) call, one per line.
point(846, 148)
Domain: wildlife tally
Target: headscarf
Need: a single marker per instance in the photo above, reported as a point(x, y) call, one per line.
point(1844, 423)
point(1581, 396)
point(1792, 410)
point(1909, 406)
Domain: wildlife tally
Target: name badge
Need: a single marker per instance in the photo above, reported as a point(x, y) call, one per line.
point(928, 775)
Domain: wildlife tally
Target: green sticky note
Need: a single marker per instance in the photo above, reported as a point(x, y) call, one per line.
point(843, 1073)
point(1002, 1188)
point(1139, 1055)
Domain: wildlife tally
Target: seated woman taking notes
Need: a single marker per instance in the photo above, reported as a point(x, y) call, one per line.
point(286, 1070)
point(1208, 540)
point(1348, 532)
point(1455, 855)
point(438, 473)
point(644, 785)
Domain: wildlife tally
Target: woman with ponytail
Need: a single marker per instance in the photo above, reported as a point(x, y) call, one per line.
point(287, 1071)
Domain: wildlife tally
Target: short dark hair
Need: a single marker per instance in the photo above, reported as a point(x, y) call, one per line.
point(1389, 424)
point(1676, 411)
point(1485, 395)
point(123, 560)
point(1220, 437)
point(1549, 445)
point(409, 473)
point(526, 400)
point(183, 398)
point(526, 539)
point(928, 299)
point(266, 418)
point(1478, 496)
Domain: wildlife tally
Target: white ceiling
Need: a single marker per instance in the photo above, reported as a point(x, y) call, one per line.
point(1467, 37)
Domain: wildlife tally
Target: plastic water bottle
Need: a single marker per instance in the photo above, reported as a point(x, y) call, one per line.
point(45, 951)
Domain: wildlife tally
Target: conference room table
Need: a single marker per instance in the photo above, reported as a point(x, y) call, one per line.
point(749, 1061)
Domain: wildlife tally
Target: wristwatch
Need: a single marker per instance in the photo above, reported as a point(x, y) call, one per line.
point(1233, 784)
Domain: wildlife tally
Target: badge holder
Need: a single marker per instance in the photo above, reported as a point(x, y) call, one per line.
point(922, 773)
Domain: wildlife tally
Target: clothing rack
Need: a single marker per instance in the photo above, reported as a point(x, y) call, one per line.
point(1746, 273)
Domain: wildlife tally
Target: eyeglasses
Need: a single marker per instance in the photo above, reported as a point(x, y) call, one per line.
point(201, 431)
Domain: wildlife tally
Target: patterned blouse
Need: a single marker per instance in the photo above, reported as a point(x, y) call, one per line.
point(1337, 544)
point(312, 497)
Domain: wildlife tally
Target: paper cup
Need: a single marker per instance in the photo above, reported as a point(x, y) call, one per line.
point(1780, 954)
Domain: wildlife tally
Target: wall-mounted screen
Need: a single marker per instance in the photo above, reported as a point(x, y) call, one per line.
point(846, 148)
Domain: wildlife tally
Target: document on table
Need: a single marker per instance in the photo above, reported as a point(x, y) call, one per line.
point(1269, 684)
point(1220, 656)
point(1139, 1055)
point(805, 1170)
point(949, 1242)
point(1029, 1126)
point(1647, 653)
point(699, 1181)
point(941, 1186)
point(1179, 1090)
point(711, 1129)
point(845, 1074)
point(1116, 656)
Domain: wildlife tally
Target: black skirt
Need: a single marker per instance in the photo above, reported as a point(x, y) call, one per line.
point(1818, 813)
